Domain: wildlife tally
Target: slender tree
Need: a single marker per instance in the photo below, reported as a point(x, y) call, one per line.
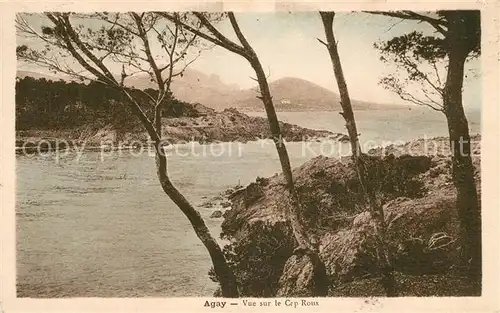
point(210, 33)
point(421, 58)
point(375, 206)
point(127, 40)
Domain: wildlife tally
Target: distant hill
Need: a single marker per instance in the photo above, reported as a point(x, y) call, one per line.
point(193, 86)
point(289, 94)
point(295, 94)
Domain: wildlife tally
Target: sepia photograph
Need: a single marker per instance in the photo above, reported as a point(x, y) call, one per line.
point(239, 154)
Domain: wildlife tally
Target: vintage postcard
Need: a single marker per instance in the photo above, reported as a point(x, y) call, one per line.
point(249, 156)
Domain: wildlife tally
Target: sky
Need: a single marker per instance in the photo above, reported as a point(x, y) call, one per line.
point(287, 46)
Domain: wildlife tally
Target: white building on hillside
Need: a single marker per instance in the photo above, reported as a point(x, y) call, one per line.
point(285, 101)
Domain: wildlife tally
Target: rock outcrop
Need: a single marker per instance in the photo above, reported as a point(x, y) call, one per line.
point(232, 125)
point(419, 205)
point(201, 125)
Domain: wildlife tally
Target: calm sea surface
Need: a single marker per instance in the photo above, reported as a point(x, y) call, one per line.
point(99, 225)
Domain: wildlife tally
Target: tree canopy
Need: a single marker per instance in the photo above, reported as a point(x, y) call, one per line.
point(421, 59)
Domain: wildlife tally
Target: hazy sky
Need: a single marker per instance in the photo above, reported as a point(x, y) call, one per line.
point(287, 47)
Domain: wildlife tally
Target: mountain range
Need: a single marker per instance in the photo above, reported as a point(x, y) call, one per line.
point(289, 93)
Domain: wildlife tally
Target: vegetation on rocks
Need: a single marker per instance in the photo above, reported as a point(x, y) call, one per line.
point(264, 244)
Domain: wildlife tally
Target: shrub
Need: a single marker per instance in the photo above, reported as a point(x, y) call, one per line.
point(258, 258)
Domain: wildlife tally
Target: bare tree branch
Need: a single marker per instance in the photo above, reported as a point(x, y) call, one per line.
point(116, 23)
point(75, 53)
point(74, 37)
point(238, 32)
point(157, 73)
point(322, 42)
point(436, 71)
point(226, 43)
point(420, 74)
point(398, 89)
point(68, 36)
point(439, 24)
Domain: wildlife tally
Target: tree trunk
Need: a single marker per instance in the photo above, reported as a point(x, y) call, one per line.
point(224, 273)
point(376, 210)
point(467, 204)
point(321, 281)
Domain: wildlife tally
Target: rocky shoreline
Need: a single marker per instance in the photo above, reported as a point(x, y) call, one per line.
point(419, 204)
point(229, 125)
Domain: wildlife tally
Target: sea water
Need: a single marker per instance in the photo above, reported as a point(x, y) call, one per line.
point(98, 224)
